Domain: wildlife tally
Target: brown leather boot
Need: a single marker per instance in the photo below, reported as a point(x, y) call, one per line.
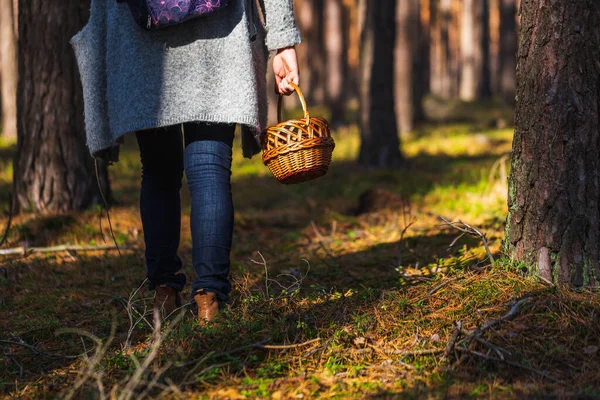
point(208, 306)
point(166, 300)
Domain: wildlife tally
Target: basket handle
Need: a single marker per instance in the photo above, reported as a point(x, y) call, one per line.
point(299, 92)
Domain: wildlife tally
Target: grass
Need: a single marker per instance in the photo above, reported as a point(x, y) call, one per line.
point(348, 294)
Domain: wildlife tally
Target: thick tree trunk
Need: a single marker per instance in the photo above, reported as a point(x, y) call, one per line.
point(507, 60)
point(53, 168)
point(8, 70)
point(380, 145)
point(336, 49)
point(407, 26)
point(554, 186)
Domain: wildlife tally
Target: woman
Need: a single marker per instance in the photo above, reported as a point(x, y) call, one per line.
point(182, 90)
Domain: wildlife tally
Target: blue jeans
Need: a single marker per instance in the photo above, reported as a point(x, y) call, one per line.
point(206, 159)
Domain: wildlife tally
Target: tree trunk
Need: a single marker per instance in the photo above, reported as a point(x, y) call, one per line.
point(554, 186)
point(8, 70)
point(445, 50)
point(407, 17)
point(485, 87)
point(336, 51)
point(53, 168)
point(507, 60)
point(421, 64)
point(471, 51)
point(380, 145)
point(311, 53)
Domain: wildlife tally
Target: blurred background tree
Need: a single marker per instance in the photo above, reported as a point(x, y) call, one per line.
point(8, 69)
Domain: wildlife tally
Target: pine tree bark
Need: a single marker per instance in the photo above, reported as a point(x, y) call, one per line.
point(507, 60)
point(312, 52)
point(445, 51)
point(8, 70)
point(421, 64)
point(336, 49)
point(53, 168)
point(380, 145)
point(407, 28)
point(553, 224)
point(485, 87)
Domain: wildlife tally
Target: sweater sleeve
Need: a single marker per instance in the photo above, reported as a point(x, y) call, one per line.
point(281, 24)
point(89, 46)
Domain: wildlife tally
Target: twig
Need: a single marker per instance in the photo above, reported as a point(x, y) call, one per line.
point(453, 339)
point(56, 249)
point(285, 346)
point(438, 287)
point(514, 364)
point(316, 230)
point(499, 350)
point(17, 363)
point(264, 264)
point(547, 281)
point(34, 350)
point(22, 344)
point(509, 316)
point(10, 215)
point(100, 351)
point(424, 352)
point(469, 230)
point(402, 233)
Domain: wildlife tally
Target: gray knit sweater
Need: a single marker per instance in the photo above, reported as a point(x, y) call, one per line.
point(206, 70)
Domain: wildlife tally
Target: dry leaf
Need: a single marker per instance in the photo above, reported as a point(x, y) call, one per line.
point(359, 340)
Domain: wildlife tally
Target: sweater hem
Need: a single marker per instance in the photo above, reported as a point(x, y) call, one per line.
point(145, 124)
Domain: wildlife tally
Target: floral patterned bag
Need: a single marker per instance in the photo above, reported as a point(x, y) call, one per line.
point(157, 14)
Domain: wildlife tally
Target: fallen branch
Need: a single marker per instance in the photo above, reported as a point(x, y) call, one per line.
point(57, 249)
point(452, 342)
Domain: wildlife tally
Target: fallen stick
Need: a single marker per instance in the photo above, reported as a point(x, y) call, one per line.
point(57, 249)
point(509, 316)
point(284, 346)
point(452, 342)
point(424, 352)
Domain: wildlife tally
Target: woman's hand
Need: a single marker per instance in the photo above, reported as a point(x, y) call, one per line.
point(285, 66)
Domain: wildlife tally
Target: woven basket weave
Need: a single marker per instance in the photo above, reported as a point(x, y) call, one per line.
point(298, 150)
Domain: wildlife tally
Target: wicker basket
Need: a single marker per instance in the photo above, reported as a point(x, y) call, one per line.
point(298, 150)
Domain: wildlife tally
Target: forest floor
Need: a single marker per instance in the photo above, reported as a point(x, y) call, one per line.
point(334, 297)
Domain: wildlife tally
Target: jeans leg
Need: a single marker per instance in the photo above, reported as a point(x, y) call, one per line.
point(161, 152)
point(208, 169)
